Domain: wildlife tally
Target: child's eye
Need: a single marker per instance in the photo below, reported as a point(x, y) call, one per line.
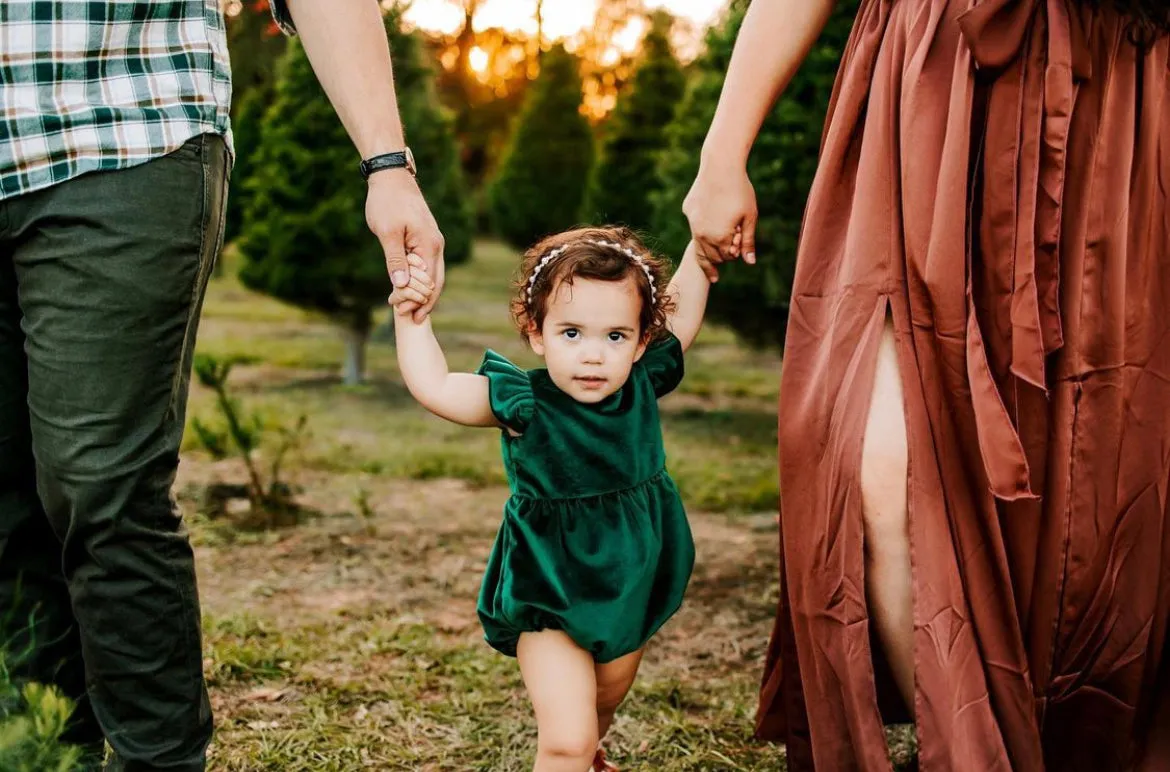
point(617, 337)
point(572, 333)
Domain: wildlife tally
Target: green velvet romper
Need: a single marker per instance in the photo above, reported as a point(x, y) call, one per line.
point(594, 540)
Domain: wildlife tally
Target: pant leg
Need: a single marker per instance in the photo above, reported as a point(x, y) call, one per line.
point(37, 627)
point(111, 272)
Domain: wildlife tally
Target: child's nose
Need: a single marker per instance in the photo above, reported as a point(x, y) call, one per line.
point(593, 353)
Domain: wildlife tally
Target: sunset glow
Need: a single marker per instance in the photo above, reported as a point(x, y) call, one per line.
point(562, 18)
point(478, 59)
point(505, 31)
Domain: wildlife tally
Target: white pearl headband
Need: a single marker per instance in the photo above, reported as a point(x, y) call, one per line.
point(554, 253)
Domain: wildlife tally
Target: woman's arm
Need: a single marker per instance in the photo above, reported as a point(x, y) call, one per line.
point(459, 397)
point(775, 38)
point(689, 287)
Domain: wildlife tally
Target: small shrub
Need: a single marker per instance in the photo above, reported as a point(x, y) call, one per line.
point(270, 500)
point(33, 718)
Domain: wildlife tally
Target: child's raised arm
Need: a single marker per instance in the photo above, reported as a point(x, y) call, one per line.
point(688, 287)
point(459, 397)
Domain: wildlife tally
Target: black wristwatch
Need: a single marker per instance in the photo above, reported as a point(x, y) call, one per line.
point(401, 160)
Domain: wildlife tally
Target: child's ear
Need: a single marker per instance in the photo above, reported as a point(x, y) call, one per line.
point(535, 339)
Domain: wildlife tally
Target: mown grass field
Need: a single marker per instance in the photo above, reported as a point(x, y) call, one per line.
point(349, 641)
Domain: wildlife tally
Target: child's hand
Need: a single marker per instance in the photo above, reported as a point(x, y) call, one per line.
point(417, 292)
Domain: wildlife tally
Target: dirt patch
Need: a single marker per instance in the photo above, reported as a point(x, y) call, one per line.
point(420, 556)
point(339, 588)
point(422, 550)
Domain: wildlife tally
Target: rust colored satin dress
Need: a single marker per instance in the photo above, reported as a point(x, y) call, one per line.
point(993, 178)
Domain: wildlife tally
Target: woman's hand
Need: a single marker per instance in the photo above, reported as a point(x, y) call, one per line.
point(774, 39)
point(721, 210)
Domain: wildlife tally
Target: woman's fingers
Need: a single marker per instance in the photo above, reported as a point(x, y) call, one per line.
point(721, 210)
point(748, 244)
point(719, 245)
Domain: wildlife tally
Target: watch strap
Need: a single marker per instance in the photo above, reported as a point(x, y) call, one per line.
point(383, 161)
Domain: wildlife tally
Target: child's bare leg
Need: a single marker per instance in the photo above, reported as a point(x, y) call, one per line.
point(614, 680)
point(562, 687)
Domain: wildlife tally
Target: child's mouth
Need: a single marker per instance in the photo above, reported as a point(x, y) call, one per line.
point(590, 381)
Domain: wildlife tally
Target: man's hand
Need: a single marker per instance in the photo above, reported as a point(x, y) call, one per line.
point(398, 215)
point(347, 45)
point(418, 291)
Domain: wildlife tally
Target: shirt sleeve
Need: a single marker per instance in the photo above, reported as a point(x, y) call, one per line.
point(509, 390)
point(663, 363)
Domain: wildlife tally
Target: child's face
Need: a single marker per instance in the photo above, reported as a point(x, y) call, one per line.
point(591, 337)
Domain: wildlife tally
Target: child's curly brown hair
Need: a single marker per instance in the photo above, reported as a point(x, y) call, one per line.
point(578, 253)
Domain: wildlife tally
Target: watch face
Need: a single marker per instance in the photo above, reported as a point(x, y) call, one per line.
point(410, 162)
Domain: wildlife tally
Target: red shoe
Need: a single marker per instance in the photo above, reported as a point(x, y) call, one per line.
point(600, 764)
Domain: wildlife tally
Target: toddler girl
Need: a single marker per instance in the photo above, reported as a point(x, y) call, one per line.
point(595, 552)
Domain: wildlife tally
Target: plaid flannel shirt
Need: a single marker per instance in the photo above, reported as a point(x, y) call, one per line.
point(89, 85)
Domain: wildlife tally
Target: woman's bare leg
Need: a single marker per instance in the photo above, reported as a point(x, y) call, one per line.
point(887, 535)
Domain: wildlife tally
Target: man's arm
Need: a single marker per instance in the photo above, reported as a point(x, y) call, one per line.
point(345, 41)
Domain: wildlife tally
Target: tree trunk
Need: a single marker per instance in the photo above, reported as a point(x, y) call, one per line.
point(465, 40)
point(356, 334)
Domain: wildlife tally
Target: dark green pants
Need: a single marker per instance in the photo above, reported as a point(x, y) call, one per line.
point(101, 284)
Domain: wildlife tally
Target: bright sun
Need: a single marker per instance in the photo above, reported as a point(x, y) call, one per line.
point(478, 59)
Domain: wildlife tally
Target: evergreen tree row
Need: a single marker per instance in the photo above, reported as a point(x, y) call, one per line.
point(649, 157)
point(297, 200)
point(548, 180)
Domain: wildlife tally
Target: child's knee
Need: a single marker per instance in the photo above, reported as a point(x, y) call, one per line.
point(566, 743)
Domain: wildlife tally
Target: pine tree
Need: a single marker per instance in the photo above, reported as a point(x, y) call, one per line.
point(305, 239)
point(542, 179)
point(33, 719)
point(754, 299)
point(626, 175)
point(256, 45)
